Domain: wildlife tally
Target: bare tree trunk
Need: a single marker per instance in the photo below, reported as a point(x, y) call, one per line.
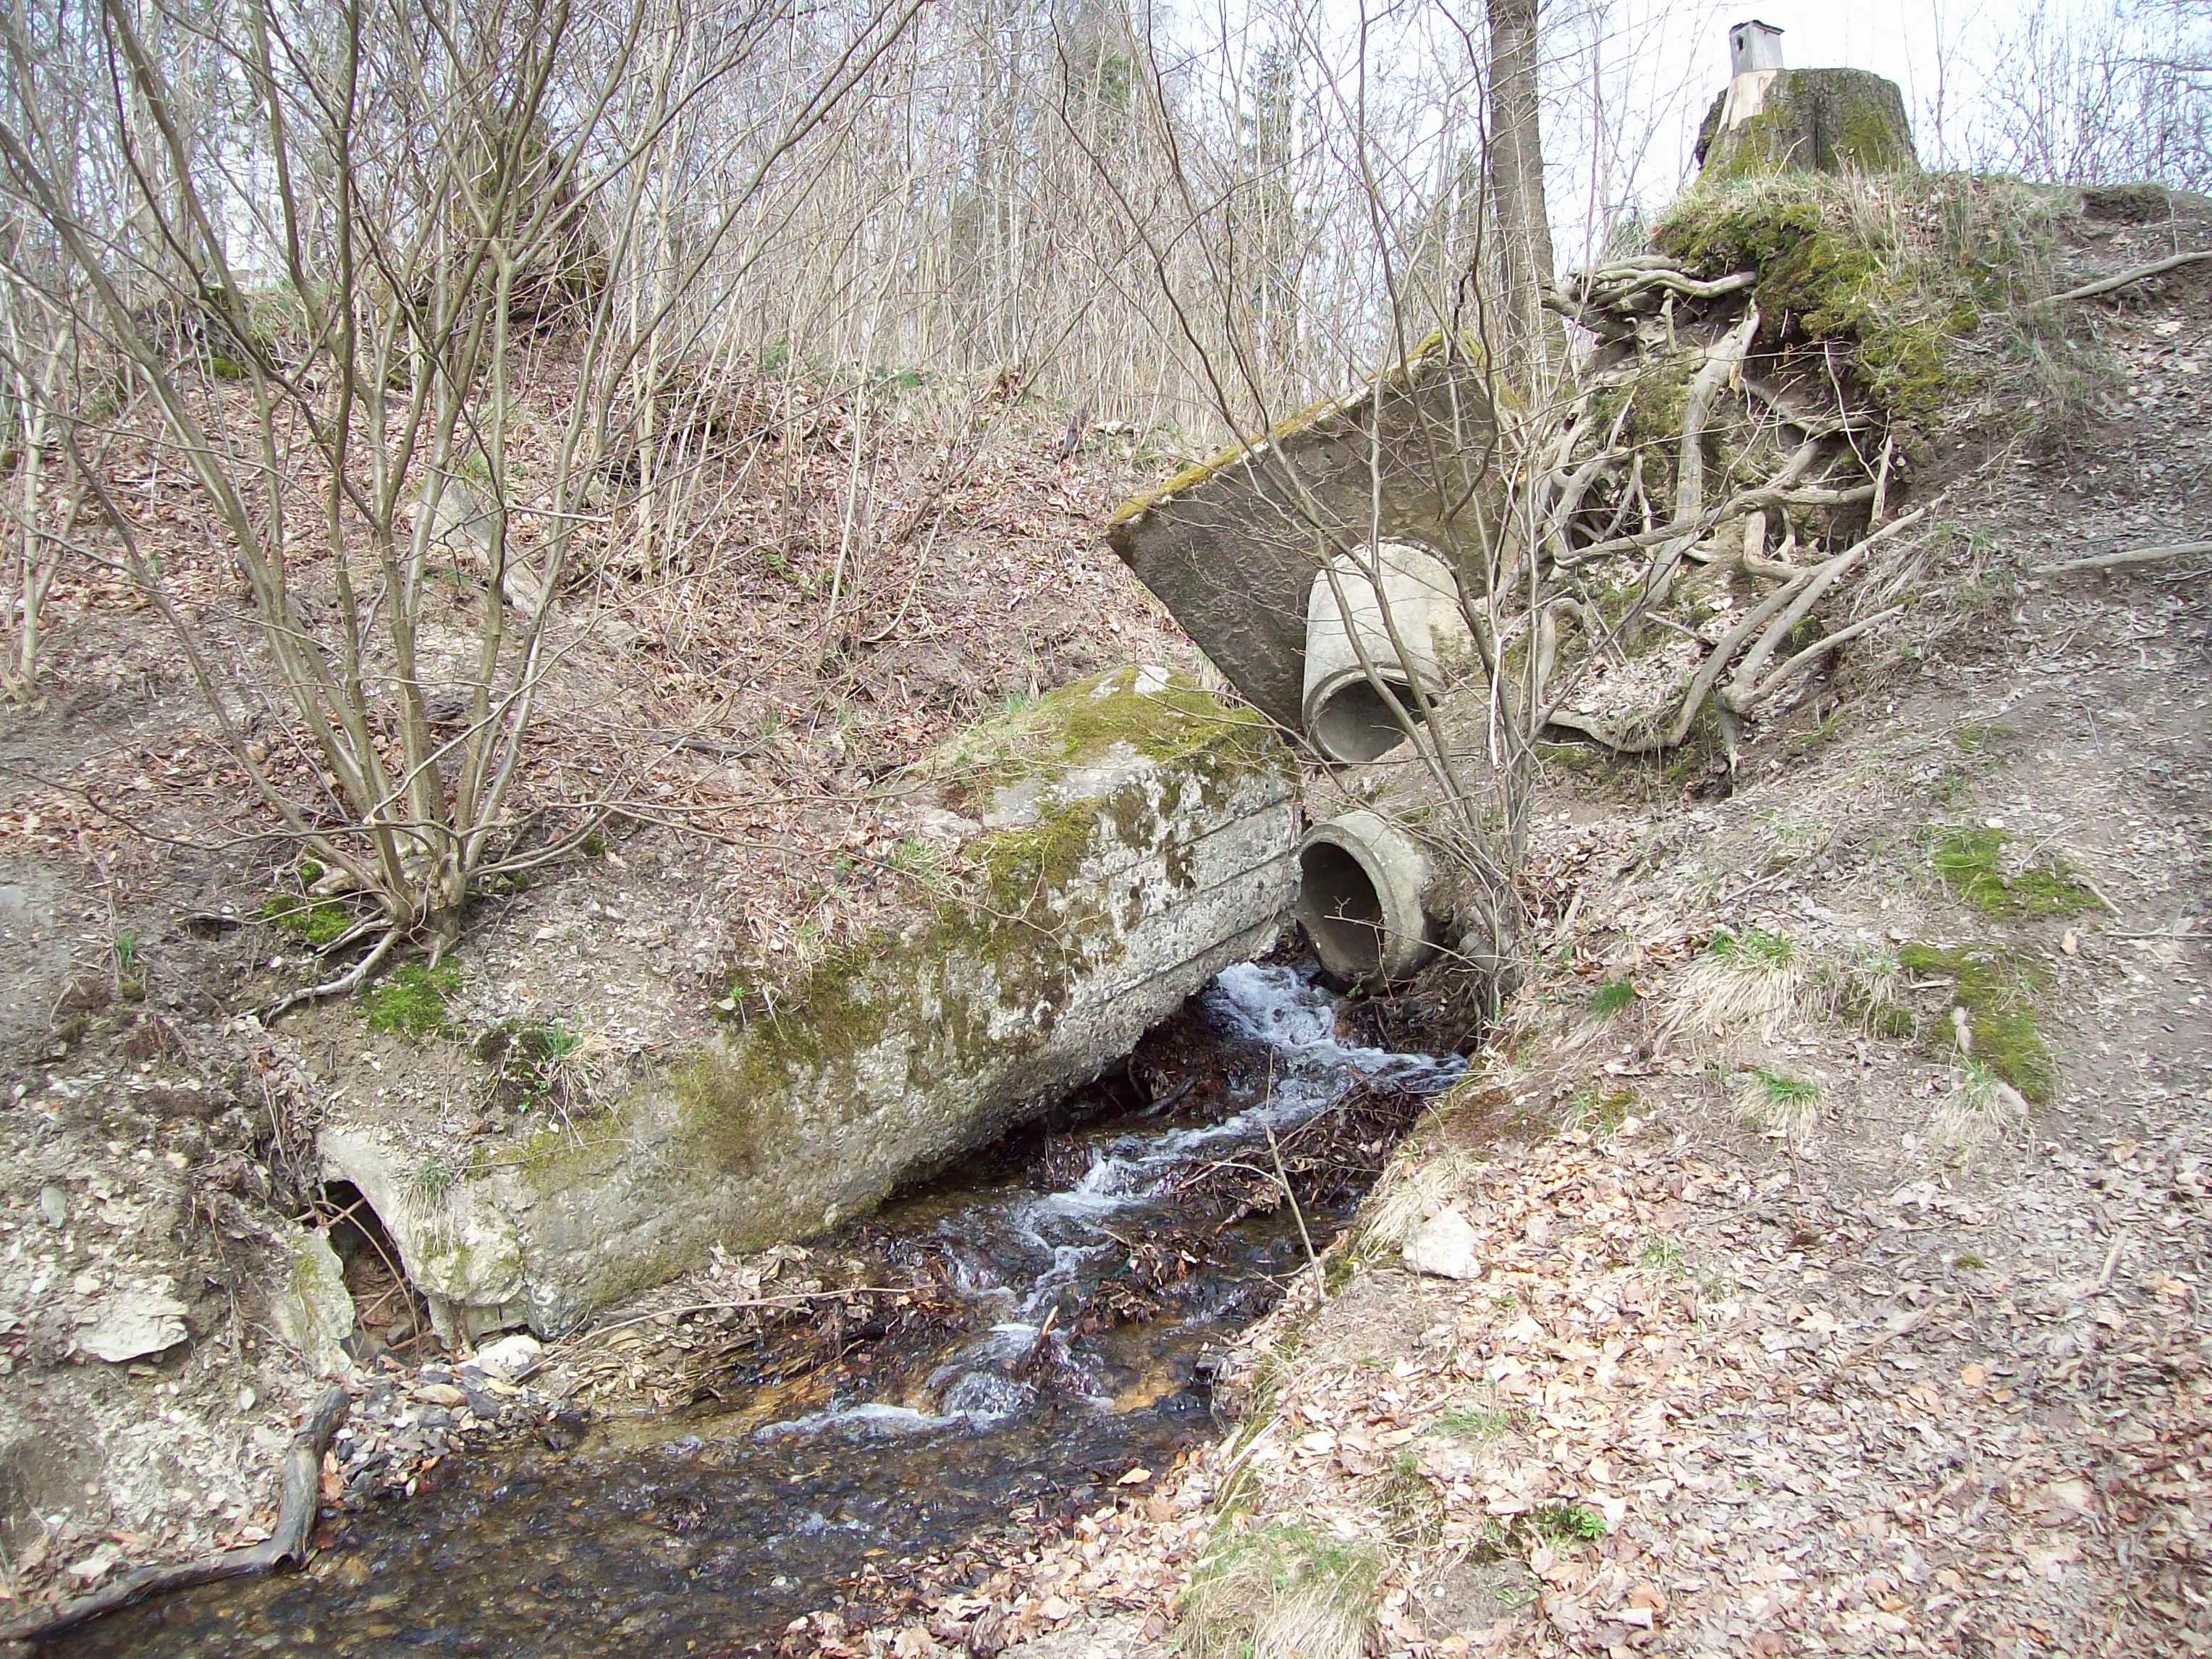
point(1533, 340)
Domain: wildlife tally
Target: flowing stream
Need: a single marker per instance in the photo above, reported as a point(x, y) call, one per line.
point(705, 1533)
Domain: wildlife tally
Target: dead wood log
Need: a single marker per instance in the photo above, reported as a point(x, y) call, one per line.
point(285, 1547)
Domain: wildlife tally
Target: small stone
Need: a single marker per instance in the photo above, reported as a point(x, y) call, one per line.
point(1444, 1245)
point(2071, 945)
point(441, 1394)
point(93, 1568)
point(508, 1358)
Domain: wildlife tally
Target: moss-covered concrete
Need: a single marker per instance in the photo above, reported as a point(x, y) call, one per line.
point(1138, 838)
point(1232, 546)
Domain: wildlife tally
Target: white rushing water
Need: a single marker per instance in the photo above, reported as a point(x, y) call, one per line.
point(1294, 1019)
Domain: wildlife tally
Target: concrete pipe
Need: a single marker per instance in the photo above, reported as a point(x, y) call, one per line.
point(1359, 896)
point(1344, 715)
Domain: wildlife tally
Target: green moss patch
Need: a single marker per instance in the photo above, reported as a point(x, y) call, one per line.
point(1013, 923)
point(1997, 991)
point(1180, 724)
point(1972, 865)
point(1899, 269)
point(1823, 277)
point(313, 922)
point(411, 1001)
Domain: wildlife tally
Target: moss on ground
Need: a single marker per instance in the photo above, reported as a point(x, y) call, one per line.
point(1997, 990)
point(313, 922)
point(411, 1001)
point(1971, 862)
point(1900, 268)
point(1826, 279)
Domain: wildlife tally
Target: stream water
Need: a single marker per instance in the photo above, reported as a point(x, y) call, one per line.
point(706, 1532)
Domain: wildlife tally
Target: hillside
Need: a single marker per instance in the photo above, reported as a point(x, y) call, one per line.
point(1833, 1192)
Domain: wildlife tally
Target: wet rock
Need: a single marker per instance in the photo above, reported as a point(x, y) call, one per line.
point(134, 1324)
point(486, 1405)
point(1445, 1246)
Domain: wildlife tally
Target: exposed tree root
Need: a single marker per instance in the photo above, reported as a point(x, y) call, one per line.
point(353, 978)
point(286, 1546)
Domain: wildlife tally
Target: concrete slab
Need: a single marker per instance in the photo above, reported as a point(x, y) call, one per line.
point(1232, 546)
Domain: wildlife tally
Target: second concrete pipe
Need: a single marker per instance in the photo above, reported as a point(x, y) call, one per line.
point(1360, 879)
point(1396, 602)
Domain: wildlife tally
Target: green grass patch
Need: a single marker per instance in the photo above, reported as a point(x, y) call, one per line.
point(411, 1001)
point(1615, 996)
point(1997, 991)
point(1783, 1091)
point(1972, 865)
point(1751, 947)
point(1662, 1255)
point(1567, 1522)
point(1600, 1111)
point(1471, 1421)
point(532, 1063)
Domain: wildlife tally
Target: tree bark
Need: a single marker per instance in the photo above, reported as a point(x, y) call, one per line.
point(1532, 340)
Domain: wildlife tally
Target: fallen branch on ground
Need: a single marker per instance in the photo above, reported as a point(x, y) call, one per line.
point(2117, 561)
point(2140, 273)
point(287, 1547)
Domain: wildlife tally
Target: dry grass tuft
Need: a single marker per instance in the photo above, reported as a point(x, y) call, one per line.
point(1282, 1591)
point(1420, 1181)
point(1776, 1103)
point(1980, 1110)
point(1745, 984)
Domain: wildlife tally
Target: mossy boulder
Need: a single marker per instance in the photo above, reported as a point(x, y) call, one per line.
point(1812, 120)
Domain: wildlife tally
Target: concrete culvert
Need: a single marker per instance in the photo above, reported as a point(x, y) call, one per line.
point(1388, 586)
point(1360, 897)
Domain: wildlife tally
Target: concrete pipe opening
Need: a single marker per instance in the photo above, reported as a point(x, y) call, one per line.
point(1354, 724)
point(1391, 607)
point(1360, 897)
